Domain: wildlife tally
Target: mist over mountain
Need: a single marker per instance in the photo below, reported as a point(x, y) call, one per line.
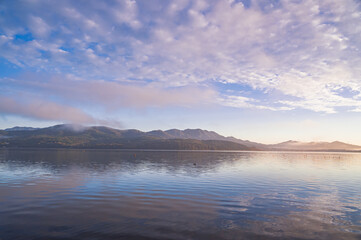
point(78, 136)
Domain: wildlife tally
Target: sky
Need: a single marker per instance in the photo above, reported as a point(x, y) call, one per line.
point(262, 70)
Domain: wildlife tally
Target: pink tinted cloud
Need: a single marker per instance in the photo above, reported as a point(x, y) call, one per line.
point(43, 110)
point(116, 95)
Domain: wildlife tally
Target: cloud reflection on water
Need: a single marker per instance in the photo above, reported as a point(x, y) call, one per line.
point(83, 193)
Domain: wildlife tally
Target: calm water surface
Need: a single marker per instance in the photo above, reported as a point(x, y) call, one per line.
point(107, 194)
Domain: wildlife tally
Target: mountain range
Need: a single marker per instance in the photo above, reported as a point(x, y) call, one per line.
point(76, 136)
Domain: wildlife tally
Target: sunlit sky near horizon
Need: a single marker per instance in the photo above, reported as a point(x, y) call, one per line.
point(266, 71)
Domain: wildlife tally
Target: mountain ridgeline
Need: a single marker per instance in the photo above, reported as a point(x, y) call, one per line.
point(73, 136)
point(99, 137)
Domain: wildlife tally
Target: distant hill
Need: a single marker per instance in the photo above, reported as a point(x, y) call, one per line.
point(200, 134)
point(315, 146)
point(77, 136)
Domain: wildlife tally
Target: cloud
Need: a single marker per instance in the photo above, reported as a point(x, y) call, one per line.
point(303, 50)
point(245, 102)
point(39, 27)
point(42, 110)
point(109, 95)
point(116, 95)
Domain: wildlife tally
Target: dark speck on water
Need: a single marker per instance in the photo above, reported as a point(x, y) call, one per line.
point(110, 194)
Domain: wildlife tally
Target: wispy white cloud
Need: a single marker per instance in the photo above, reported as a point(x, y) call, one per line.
point(304, 50)
point(39, 27)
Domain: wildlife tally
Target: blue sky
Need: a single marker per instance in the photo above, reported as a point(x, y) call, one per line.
point(267, 71)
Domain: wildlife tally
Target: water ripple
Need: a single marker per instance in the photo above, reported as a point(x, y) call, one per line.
point(70, 194)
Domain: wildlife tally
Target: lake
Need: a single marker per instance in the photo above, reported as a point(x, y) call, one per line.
point(110, 194)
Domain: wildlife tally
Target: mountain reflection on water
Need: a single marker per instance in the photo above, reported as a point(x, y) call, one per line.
point(109, 194)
